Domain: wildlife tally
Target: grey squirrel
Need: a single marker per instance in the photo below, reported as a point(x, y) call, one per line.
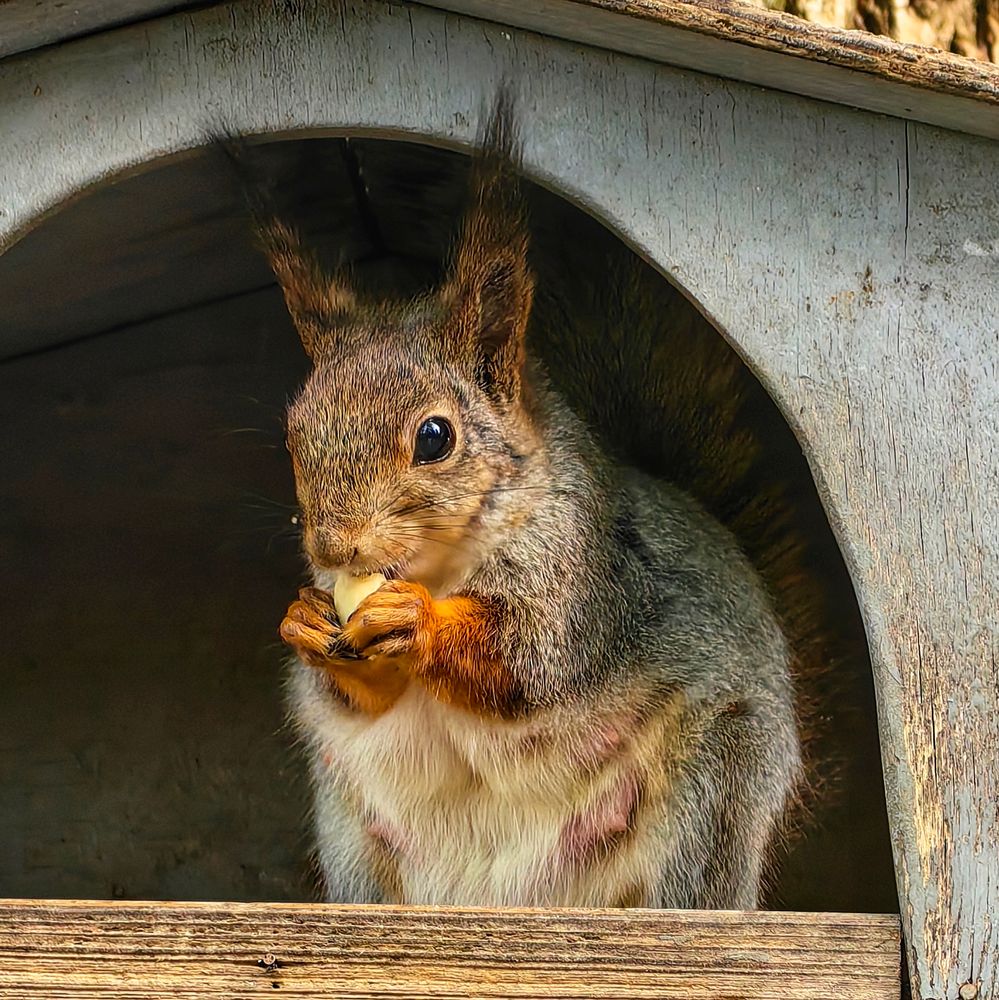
point(575, 686)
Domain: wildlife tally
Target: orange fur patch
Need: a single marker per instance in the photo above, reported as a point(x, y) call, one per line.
point(451, 645)
point(372, 685)
point(465, 666)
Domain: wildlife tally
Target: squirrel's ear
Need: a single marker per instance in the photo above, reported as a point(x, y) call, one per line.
point(490, 288)
point(491, 293)
point(318, 304)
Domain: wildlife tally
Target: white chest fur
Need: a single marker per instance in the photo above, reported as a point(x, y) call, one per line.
point(474, 811)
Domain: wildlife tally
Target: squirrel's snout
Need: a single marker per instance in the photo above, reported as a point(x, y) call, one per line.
point(329, 548)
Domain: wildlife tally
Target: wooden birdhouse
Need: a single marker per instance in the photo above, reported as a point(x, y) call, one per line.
point(826, 202)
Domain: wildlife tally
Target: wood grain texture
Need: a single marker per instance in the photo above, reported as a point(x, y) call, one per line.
point(741, 41)
point(920, 65)
point(29, 24)
point(851, 258)
point(175, 950)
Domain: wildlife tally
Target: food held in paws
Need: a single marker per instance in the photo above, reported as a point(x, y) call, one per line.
point(349, 591)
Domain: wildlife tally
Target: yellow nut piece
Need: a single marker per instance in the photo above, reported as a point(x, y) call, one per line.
point(349, 591)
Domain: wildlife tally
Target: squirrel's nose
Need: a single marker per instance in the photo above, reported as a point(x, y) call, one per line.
point(330, 548)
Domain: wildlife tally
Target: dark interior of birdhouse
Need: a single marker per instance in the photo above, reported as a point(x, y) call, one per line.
point(150, 549)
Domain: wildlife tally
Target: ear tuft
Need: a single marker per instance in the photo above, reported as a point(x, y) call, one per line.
point(490, 281)
point(318, 303)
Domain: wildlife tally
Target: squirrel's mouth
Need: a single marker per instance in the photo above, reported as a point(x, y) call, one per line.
point(395, 571)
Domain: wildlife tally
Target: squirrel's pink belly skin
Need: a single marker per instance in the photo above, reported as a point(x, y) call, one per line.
point(441, 806)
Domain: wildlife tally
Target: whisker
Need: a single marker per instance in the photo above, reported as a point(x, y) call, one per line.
point(416, 508)
point(419, 529)
point(230, 431)
point(385, 506)
point(431, 517)
point(448, 542)
point(267, 502)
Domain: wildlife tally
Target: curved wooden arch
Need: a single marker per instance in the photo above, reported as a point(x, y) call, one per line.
point(852, 259)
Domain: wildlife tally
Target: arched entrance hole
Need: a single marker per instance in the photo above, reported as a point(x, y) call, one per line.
point(151, 548)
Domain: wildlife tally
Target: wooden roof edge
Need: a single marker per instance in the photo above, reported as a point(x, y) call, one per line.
point(740, 41)
point(726, 38)
point(733, 20)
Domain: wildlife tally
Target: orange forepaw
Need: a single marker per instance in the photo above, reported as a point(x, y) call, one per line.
point(452, 645)
point(397, 620)
point(310, 627)
point(372, 684)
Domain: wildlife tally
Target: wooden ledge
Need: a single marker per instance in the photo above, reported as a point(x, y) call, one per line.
point(28, 24)
point(232, 950)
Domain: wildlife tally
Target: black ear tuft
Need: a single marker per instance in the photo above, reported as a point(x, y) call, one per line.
point(491, 285)
point(317, 302)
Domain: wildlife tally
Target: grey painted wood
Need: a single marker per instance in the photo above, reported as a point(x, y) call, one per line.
point(851, 258)
point(29, 24)
point(739, 42)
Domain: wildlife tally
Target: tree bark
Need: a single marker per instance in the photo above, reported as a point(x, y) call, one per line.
point(965, 27)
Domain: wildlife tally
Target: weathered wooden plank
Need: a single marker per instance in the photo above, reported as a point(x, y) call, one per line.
point(28, 24)
point(742, 41)
point(174, 950)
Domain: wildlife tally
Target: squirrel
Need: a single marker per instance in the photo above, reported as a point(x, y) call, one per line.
point(577, 686)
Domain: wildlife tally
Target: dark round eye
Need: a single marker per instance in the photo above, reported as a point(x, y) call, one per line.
point(434, 441)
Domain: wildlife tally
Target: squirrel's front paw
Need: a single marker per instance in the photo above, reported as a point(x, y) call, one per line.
point(395, 621)
point(310, 627)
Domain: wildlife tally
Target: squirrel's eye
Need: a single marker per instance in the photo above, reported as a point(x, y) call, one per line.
point(434, 441)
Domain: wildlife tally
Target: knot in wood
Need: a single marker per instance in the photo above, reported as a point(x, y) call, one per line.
point(968, 991)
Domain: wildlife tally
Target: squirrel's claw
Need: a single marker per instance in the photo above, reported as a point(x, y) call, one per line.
point(311, 630)
point(394, 623)
point(319, 602)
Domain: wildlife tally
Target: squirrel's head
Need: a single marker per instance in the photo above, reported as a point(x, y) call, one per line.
point(411, 436)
